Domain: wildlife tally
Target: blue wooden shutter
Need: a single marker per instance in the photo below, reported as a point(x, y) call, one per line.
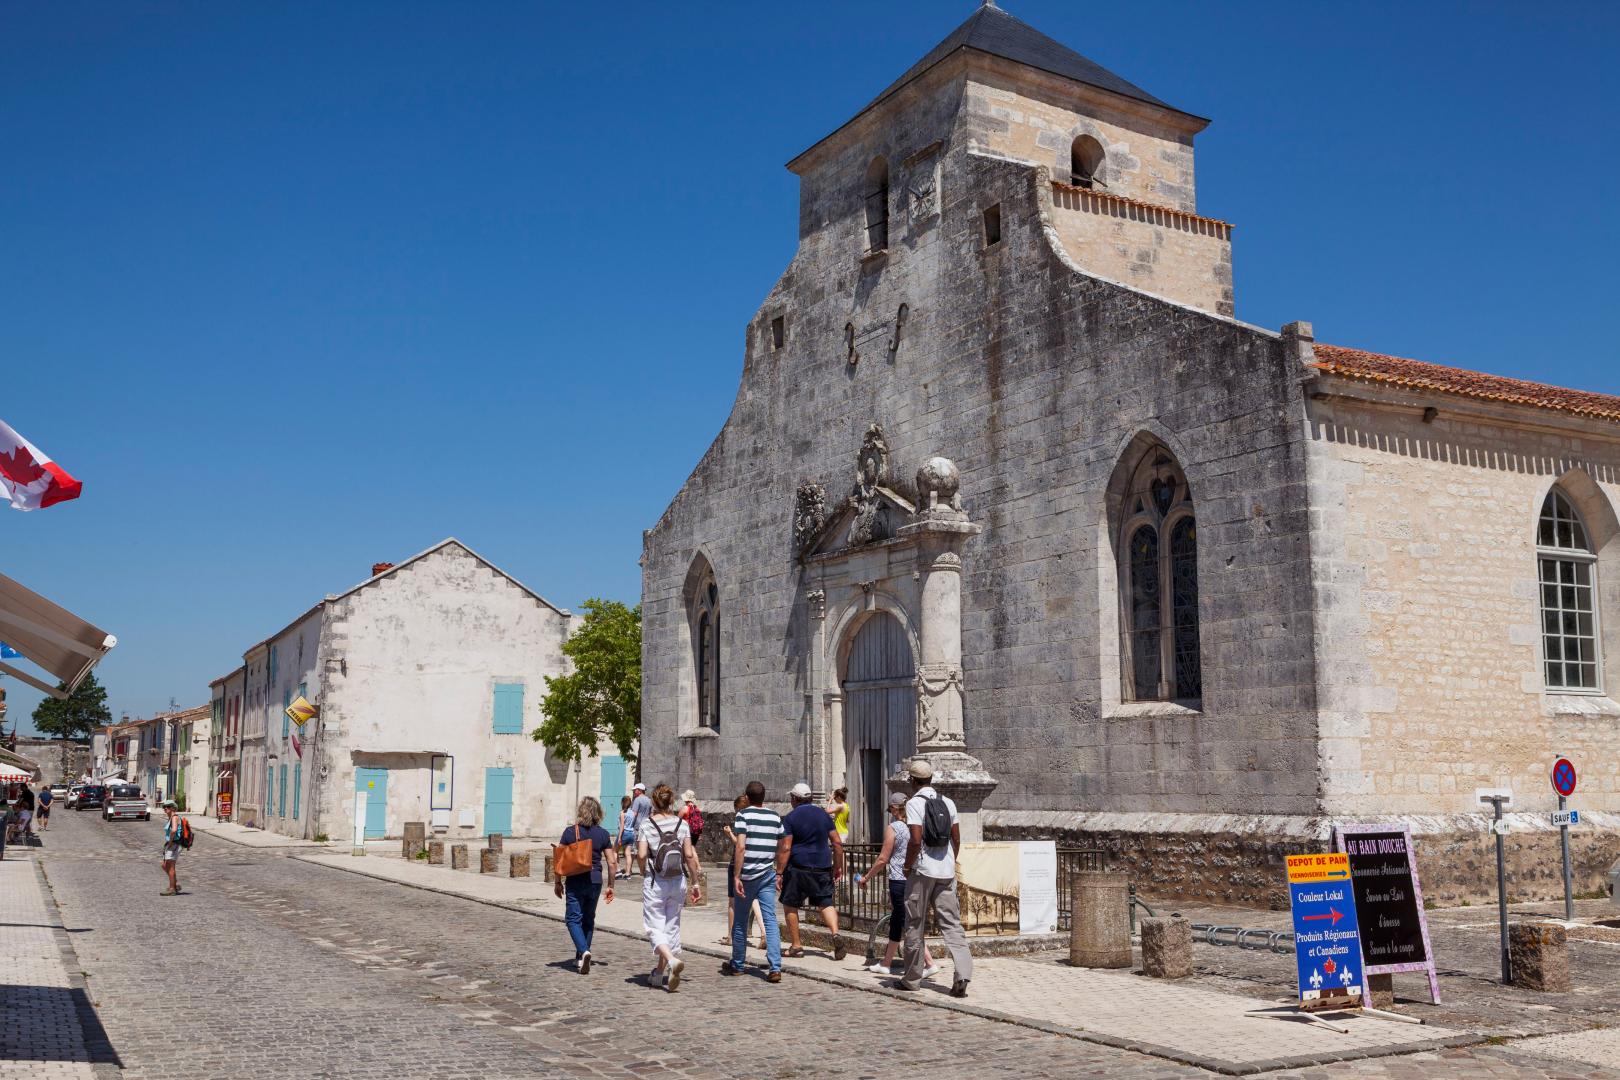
point(508, 708)
point(298, 784)
point(498, 801)
point(286, 700)
point(281, 801)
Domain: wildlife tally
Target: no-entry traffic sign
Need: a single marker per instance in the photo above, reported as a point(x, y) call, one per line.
point(1563, 777)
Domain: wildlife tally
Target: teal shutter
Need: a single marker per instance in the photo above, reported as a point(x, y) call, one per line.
point(498, 801)
point(281, 801)
point(508, 708)
point(298, 786)
point(286, 700)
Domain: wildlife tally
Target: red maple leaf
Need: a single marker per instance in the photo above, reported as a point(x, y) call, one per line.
point(1329, 966)
point(20, 467)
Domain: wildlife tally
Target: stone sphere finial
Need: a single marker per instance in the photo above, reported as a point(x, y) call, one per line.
point(938, 481)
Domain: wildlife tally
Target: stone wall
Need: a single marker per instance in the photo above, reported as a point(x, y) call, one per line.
point(1178, 256)
point(1429, 623)
point(58, 759)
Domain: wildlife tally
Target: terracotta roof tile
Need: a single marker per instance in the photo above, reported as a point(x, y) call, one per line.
point(1375, 367)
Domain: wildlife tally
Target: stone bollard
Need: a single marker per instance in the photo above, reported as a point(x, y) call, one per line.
point(488, 860)
point(495, 842)
point(519, 866)
point(436, 853)
point(458, 857)
point(1099, 925)
point(1167, 948)
point(1382, 988)
point(550, 869)
point(1538, 956)
point(415, 839)
point(702, 882)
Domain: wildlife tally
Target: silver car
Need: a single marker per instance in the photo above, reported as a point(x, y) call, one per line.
point(125, 801)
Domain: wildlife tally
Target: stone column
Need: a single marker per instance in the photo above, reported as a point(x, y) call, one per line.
point(458, 856)
point(488, 860)
point(415, 838)
point(833, 717)
point(1099, 924)
point(941, 529)
point(1167, 948)
point(495, 841)
point(519, 866)
point(1539, 956)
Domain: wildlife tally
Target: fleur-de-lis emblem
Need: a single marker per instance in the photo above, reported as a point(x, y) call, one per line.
point(1316, 980)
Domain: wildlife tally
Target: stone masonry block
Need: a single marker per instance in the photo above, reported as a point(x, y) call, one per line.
point(519, 866)
point(458, 857)
point(1167, 948)
point(495, 842)
point(1099, 928)
point(1383, 990)
point(1538, 954)
point(415, 839)
point(488, 860)
point(436, 853)
point(549, 869)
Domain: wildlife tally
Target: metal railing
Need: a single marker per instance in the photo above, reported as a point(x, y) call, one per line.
point(860, 909)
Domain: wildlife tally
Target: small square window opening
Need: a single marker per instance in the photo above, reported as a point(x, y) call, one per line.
point(992, 225)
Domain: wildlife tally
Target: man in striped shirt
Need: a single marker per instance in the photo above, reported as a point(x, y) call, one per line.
point(755, 865)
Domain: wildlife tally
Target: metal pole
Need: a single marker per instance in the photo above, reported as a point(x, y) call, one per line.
point(1569, 890)
point(1501, 893)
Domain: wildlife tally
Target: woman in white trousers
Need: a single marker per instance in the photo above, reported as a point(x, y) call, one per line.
point(667, 856)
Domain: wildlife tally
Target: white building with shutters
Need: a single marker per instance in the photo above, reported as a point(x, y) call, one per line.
point(428, 678)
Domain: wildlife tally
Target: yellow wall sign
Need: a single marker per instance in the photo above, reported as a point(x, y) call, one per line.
point(301, 711)
point(1304, 869)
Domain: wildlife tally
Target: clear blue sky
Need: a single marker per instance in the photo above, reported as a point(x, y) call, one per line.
point(298, 287)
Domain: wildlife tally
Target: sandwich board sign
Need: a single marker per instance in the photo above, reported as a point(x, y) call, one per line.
point(1327, 945)
point(1389, 900)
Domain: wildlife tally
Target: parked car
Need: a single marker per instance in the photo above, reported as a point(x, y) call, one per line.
point(90, 796)
point(59, 791)
point(125, 801)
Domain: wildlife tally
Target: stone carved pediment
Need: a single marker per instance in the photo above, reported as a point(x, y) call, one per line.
point(855, 525)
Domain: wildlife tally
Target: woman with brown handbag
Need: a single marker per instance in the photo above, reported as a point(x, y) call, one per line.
point(577, 867)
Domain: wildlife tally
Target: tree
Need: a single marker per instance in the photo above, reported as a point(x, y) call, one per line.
point(84, 710)
point(601, 697)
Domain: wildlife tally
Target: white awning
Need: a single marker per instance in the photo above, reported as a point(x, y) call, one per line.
point(52, 638)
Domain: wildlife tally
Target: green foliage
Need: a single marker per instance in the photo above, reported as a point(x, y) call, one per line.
point(83, 711)
point(601, 697)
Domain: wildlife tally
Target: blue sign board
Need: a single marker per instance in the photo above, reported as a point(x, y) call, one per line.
point(8, 653)
point(1327, 941)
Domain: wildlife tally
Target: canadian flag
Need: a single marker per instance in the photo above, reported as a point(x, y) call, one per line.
point(30, 479)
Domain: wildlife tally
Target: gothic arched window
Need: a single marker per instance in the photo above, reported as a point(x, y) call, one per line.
point(1085, 158)
point(1159, 584)
point(877, 206)
point(706, 650)
point(1568, 575)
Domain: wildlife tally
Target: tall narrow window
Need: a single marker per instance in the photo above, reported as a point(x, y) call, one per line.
point(704, 601)
point(877, 206)
point(1085, 159)
point(1568, 575)
point(1159, 581)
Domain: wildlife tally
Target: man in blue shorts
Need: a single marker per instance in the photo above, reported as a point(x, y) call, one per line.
point(815, 863)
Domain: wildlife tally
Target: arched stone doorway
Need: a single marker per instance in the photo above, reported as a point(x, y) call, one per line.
point(880, 718)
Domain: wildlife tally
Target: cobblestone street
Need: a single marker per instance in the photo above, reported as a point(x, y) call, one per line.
point(270, 967)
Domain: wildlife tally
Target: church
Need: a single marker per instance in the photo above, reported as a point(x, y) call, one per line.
point(1007, 485)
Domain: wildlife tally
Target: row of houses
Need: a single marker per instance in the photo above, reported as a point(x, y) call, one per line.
point(426, 679)
point(166, 754)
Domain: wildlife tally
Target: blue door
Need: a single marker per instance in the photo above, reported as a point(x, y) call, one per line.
point(614, 781)
point(374, 782)
point(498, 801)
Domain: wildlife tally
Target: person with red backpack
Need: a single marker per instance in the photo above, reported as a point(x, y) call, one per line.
point(177, 834)
point(691, 814)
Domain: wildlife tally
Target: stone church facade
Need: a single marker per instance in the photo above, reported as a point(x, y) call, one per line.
point(1007, 485)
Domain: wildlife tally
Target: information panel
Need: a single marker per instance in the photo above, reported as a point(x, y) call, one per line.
point(1389, 900)
point(1327, 948)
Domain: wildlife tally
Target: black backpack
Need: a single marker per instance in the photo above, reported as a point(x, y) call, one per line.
point(936, 822)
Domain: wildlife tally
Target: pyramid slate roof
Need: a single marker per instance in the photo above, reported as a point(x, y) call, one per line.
point(991, 30)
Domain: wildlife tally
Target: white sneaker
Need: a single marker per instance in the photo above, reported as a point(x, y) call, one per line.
point(931, 970)
point(879, 968)
point(583, 964)
point(657, 979)
point(673, 982)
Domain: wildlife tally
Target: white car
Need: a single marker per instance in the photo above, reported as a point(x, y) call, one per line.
point(125, 801)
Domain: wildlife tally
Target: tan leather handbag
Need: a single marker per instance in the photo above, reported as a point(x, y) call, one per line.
point(575, 858)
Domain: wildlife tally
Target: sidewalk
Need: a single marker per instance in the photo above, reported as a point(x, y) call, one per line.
point(241, 834)
point(41, 1033)
point(1173, 1020)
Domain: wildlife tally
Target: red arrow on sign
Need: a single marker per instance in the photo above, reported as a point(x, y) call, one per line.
point(1331, 913)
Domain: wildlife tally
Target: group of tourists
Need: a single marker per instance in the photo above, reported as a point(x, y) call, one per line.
point(797, 858)
point(23, 814)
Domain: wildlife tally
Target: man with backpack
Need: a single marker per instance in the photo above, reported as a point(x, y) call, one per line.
point(177, 834)
point(936, 837)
